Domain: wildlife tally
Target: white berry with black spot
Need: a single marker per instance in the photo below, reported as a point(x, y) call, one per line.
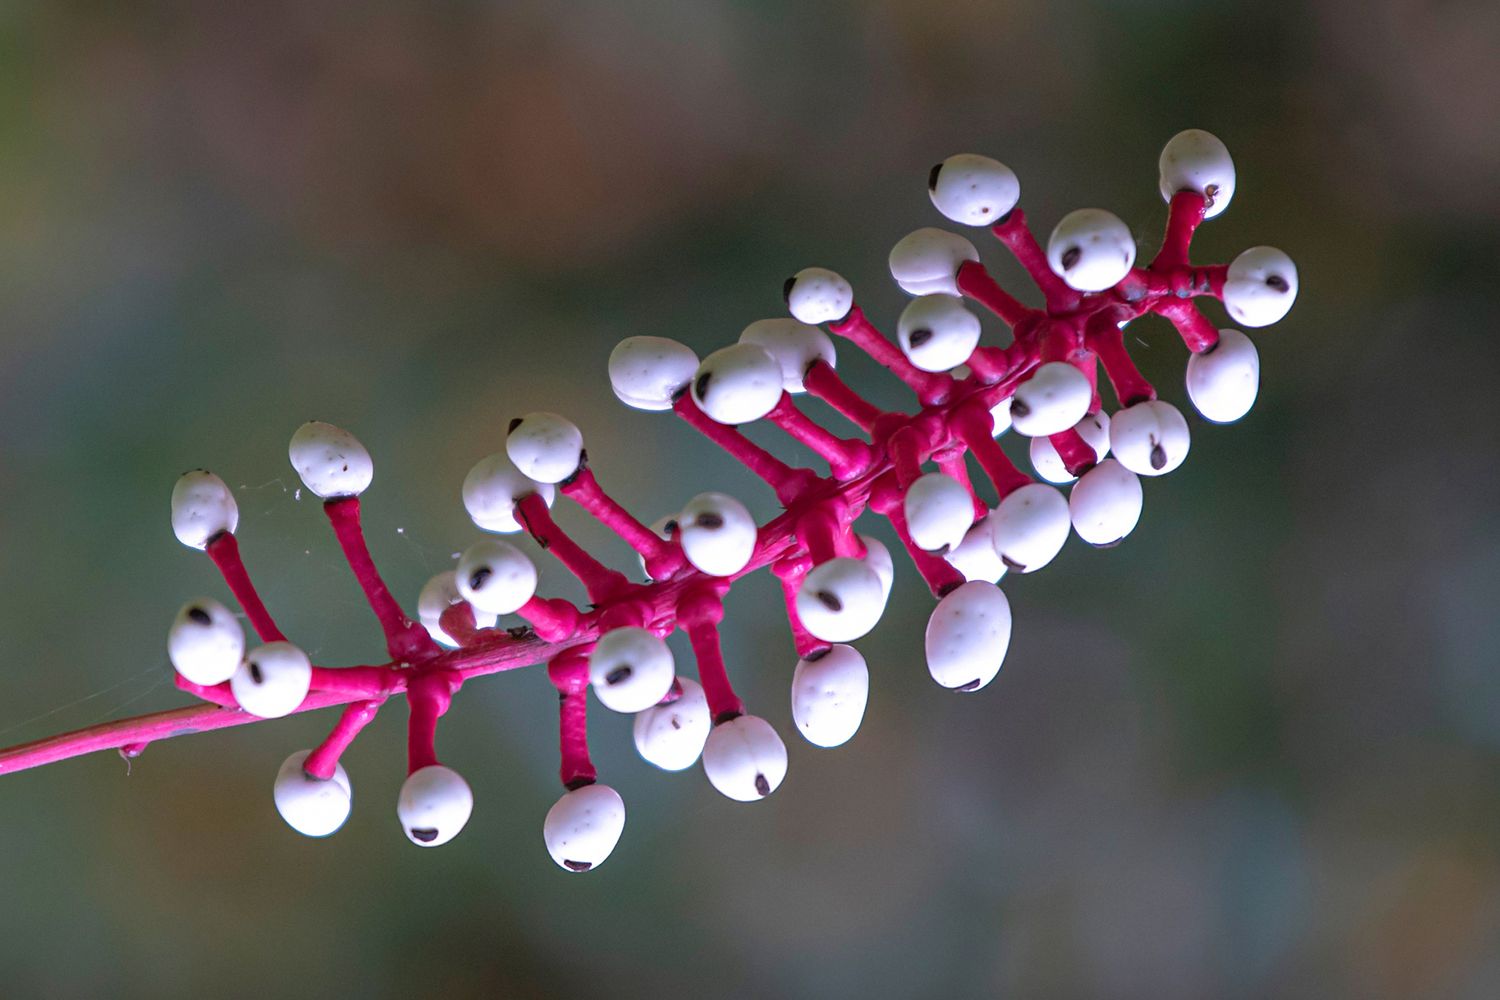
point(1195, 160)
point(1260, 286)
point(817, 295)
point(744, 758)
point(438, 595)
point(1224, 380)
point(939, 510)
point(434, 805)
point(1054, 398)
point(795, 345)
point(967, 636)
point(1000, 418)
point(1094, 429)
point(330, 461)
point(1091, 250)
point(649, 373)
point(492, 489)
point(545, 447)
point(583, 827)
point(1029, 527)
point(272, 680)
point(936, 332)
point(495, 577)
point(202, 508)
point(829, 693)
point(928, 260)
point(1105, 503)
point(1150, 438)
point(314, 807)
point(631, 669)
point(205, 642)
point(717, 533)
point(737, 384)
point(973, 190)
point(840, 600)
point(975, 557)
point(671, 736)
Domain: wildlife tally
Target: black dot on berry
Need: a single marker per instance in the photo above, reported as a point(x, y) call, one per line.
point(479, 576)
point(424, 835)
point(829, 600)
point(1277, 283)
point(578, 866)
point(932, 176)
point(199, 616)
point(786, 290)
point(619, 674)
point(920, 336)
point(703, 381)
point(713, 522)
point(1070, 257)
point(762, 786)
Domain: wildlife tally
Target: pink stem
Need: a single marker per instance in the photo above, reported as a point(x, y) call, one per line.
point(428, 696)
point(976, 283)
point(791, 577)
point(224, 550)
point(950, 461)
point(599, 580)
point(930, 388)
point(1196, 331)
point(788, 483)
point(1018, 239)
point(458, 621)
point(1184, 215)
point(905, 447)
point(569, 673)
point(404, 638)
point(824, 533)
point(552, 618)
point(974, 426)
point(822, 381)
point(355, 682)
point(1108, 342)
point(699, 613)
point(661, 556)
point(846, 459)
point(1077, 455)
point(936, 572)
point(325, 757)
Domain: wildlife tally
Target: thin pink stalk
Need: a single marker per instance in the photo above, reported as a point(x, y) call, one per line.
point(458, 621)
point(788, 483)
point(936, 572)
point(428, 696)
point(569, 673)
point(662, 558)
point(976, 283)
point(552, 618)
point(1077, 455)
point(930, 388)
point(950, 461)
point(404, 638)
point(824, 533)
point(791, 574)
point(822, 381)
point(224, 550)
point(975, 427)
point(1196, 331)
point(324, 759)
point(1184, 215)
point(1107, 340)
point(1018, 239)
point(601, 582)
point(698, 614)
point(355, 682)
point(847, 459)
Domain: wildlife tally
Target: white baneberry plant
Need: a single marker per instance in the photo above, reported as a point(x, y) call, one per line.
point(910, 468)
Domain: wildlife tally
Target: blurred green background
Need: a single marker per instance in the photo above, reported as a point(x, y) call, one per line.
point(1255, 751)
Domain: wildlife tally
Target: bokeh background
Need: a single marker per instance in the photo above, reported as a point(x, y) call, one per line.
point(1255, 751)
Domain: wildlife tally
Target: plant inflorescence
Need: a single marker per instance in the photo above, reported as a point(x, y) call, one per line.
point(909, 467)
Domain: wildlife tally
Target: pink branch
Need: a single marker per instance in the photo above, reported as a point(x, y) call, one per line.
point(788, 483)
point(1196, 331)
point(224, 550)
point(600, 581)
point(322, 762)
point(930, 389)
point(975, 283)
point(974, 426)
point(553, 618)
point(846, 459)
point(1184, 215)
point(950, 462)
point(699, 613)
point(935, 571)
point(569, 673)
point(661, 556)
point(404, 638)
point(791, 574)
point(1018, 239)
point(822, 381)
point(427, 697)
point(1107, 340)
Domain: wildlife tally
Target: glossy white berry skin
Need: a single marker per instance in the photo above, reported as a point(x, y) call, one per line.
point(314, 807)
point(840, 600)
point(202, 508)
point(1000, 417)
point(717, 533)
point(1150, 438)
point(1105, 504)
point(817, 295)
point(878, 558)
point(829, 694)
point(928, 260)
point(583, 827)
point(1055, 398)
point(973, 190)
point(272, 680)
point(938, 511)
point(671, 736)
point(205, 642)
point(737, 384)
point(1091, 250)
point(1223, 381)
point(330, 461)
point(967, 636)
point(1260, 286)
point(648, 373)
point(495, 577)
point(434, 804)
point(744, 758)
point(1030, 526)
point(936, 332)
point(438, 595)
point(545, 447)
point(631, 669)
point(975, 557)
point(1195, 160)
point(794, 345)
point(1094, 429)
point(493, 487)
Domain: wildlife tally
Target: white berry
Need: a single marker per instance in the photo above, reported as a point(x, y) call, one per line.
point(1105, 504)
point(314, 807)
point(737, 384)
point(495, 577)
point(545, 447)
point(492, 489)
point(205, 642)
point(975, 557)
point(878, 558)
point(829, 694)
point(434, 805)
point(967, 636)
point(583, 827)
point(272, 680)
point(937, 333)
point(939, 510)
point(330, 461)
point(1260, 286)
point(795, 346)
point(1030, 527)
point(744, 758)
point(1150, 438)
point(818, 295)
point(840, 600)
point(928, 260)
point(1091, 250)
point(648, 373)
point(671, 736)
point(1223, 381)
point(1000, 418)
point(438, 595)
point(202, 508)
point(717, 533)
point(631, 669)
point(1094, 429)
point(1055, 398)
point(1195, 160)
point(973, 190)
